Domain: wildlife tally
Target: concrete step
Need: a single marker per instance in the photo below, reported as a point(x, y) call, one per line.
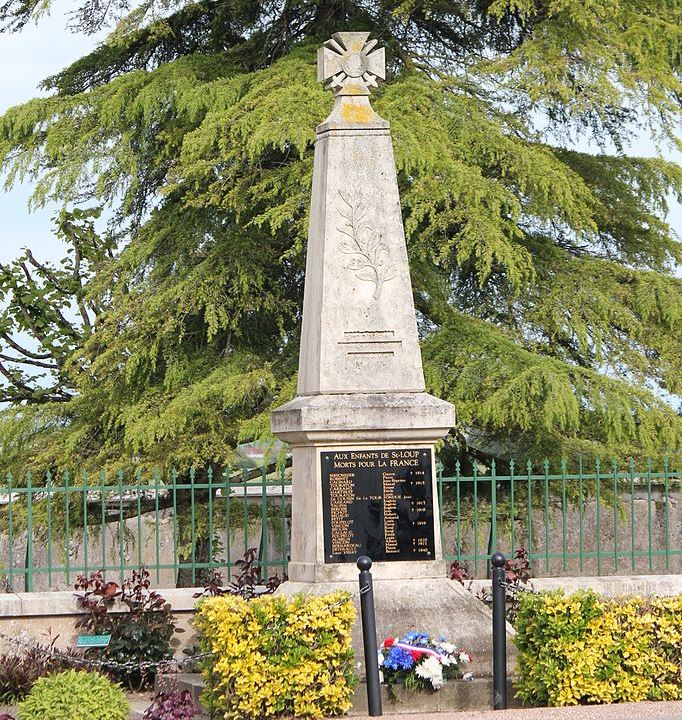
point(455, 695)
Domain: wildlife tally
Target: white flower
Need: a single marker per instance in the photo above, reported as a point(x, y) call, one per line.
point(381, 658)
point(447, 647)
point(381, 677)
point(431, 670)
point(446, 660)
point(464, 657)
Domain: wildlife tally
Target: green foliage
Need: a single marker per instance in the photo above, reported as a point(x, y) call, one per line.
point(580, 649)
point(36, 299)
point(544, 277)
point(74, 694)
point(277, 657)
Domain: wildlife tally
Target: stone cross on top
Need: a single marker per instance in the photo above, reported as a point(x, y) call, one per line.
point(349, 65)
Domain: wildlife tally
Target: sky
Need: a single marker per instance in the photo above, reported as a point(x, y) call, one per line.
point(38, 51)
point(26, 58)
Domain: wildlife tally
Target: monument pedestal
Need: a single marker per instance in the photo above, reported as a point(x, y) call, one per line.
point(364, 482)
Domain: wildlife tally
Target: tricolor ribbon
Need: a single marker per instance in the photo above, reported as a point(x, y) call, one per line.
point(420, 649)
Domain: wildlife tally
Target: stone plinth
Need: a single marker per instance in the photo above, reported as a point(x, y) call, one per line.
point(324, 423)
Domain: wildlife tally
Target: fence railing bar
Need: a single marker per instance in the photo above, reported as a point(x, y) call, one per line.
point(476, 518)
point(529, 504)
point(103, 515)
point(174, 479)
point(67, 549)
point(459, 515)
point(632, 513)
point(139, 517)
point(121, 526)
point(651, 563)
point(228, 519)
point(512, 510)
point(246, 521)
point(209, 472)
point(283, 508)
point(157, 531)
point(49, 529)
point(563, 512)
point(193, 526)
point(615, 515)
point(85, 521)
point(667, 517)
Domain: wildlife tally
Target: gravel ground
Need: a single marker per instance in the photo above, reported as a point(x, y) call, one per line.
point(633, 711)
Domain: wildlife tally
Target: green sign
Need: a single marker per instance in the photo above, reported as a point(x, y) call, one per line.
point(93, 640)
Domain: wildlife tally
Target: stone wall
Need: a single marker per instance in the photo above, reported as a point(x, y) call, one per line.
point(43, 615)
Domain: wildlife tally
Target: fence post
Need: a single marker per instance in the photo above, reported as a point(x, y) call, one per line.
point(369, 636)
point(499, 634)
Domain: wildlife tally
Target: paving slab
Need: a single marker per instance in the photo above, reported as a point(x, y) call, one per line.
point(621, 711)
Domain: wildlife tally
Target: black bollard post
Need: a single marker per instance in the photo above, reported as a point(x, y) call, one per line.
point(499, 634)
point(369, 636)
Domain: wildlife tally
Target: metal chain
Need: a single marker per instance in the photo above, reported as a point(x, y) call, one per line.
point(514, 587)
point(132, 665)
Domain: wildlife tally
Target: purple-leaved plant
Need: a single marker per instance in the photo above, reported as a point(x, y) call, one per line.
point(170, 706)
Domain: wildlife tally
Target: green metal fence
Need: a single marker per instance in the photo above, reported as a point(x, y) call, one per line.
point(603, 521)
point(599, 522)
point(61, 527)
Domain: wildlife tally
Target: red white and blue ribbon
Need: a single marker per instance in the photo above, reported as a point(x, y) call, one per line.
point(419, 649)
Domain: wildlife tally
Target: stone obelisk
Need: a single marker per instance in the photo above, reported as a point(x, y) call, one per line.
point(362, 428)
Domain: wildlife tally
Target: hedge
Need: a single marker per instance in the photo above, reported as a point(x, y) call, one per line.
point(581, 649)
point(274, 656)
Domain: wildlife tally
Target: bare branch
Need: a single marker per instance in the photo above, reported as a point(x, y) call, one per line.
point(29, 361)
point(14, 379)
point(79, 299)
point(16, 346)
point(47, 272)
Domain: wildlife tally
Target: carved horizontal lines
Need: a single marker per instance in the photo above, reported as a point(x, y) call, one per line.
point(370, 342)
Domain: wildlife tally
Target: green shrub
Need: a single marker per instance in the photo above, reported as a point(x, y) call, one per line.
point(75, 695)
point(141, 635)
point(277, 657)
point(581, 649)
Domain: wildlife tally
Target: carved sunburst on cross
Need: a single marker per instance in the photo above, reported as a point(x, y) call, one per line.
point(349, 65)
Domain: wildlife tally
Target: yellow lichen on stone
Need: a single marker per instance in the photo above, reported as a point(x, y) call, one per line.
point(359, 114)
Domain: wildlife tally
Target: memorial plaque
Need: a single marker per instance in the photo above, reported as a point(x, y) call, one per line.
point(377, 503)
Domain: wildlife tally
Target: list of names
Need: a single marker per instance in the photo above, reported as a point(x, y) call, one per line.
point(378, 503)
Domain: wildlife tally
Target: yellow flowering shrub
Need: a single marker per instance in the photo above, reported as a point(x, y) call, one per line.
point(580, 649)
point(276, 656)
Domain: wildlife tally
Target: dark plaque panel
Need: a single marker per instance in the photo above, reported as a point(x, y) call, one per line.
point(377, 503)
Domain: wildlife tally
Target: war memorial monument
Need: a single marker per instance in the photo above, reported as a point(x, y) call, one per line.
point(362, 428)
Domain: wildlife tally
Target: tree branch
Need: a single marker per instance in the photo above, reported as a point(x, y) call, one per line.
point(16, 346)
point(14, 380)
point(29, 361)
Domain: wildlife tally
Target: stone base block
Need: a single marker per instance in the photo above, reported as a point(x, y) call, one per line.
point(398, 571)
point(437, 606)
point(454, 696)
